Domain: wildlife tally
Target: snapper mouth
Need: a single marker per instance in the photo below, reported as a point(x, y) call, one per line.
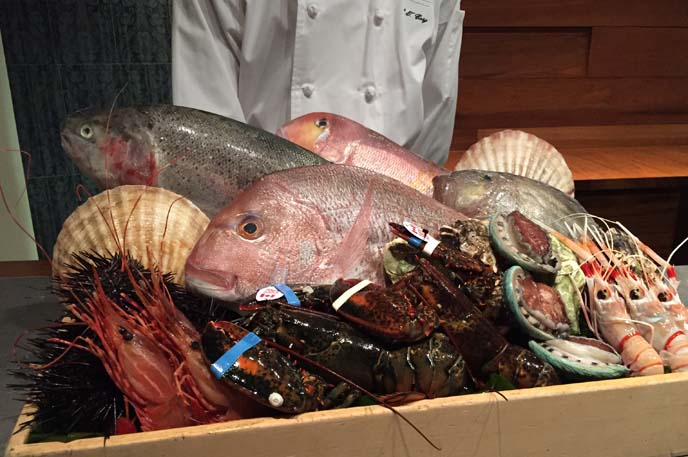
point(211, 283)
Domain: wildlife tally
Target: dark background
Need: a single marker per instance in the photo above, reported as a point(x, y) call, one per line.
point(67, 55)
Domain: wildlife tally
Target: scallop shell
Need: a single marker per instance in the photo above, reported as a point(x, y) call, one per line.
point(155, 219)
point(519, 153)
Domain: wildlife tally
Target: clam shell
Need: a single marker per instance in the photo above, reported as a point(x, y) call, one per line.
point(155, 218)
point(519, 153)
point(505, 242)
point(580, 359)
point(514, 296)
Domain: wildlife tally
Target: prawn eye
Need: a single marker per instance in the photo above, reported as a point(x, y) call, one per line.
point(602, 294)
point(250, 228)
point(321, 123)
point(126, 334)
point(663, 296)
point(86, 131)
point(635, 294)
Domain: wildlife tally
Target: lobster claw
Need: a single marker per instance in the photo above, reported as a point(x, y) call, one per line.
point(392, 314)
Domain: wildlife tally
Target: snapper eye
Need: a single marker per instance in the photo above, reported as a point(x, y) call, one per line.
point(250, 228)
point(86, 131)
point(321, 123)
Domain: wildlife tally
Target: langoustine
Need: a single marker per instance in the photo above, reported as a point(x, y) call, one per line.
point(607, 315)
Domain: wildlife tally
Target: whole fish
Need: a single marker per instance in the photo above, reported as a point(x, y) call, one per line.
point(310, 225)
point(480, 194)
point(203, 156)
point(344, 141)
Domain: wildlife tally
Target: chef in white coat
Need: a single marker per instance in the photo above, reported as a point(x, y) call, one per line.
point(391, 65)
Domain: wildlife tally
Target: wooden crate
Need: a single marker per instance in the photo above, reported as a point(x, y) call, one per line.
point(624, 417)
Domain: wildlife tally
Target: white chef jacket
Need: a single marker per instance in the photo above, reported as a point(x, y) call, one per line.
point(391, 65)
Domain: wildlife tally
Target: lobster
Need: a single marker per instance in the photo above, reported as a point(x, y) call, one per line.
point(484, 349)
point(427, 369)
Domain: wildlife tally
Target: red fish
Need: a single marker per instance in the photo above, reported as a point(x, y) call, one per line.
point(309, 225)
point(344, 141)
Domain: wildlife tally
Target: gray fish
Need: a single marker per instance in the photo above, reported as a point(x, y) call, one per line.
point(480, 194)
point(203, 156)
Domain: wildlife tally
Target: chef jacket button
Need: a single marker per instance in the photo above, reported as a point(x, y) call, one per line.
point(307, 90)
point(312, 10)
point(370, 94)
point(377, 18)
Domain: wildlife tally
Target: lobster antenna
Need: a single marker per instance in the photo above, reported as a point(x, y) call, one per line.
point(354, 385)
point(675, 250)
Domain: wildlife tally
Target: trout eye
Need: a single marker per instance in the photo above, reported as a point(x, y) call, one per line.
point(86, 131)
point(321, 123)
point(250, 228)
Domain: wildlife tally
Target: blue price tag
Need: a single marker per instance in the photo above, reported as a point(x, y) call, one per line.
point(229, 358)
point(289, 294)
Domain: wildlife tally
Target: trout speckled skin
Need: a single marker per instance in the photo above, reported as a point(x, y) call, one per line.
point(203, 156)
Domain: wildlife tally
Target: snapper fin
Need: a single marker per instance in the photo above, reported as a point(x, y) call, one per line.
point(519, 153)
point(354, 247)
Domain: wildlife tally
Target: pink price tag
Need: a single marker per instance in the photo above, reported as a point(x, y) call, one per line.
point(268, 293)
point(416, 230)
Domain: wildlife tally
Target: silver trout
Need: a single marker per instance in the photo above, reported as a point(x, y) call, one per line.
point(310, 225)
point(480, 194)
point(203, 156)
point(344, 141)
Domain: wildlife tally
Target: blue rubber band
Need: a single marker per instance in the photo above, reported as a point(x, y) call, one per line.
point(415, 242)
point(229, 358)
point(289, 294)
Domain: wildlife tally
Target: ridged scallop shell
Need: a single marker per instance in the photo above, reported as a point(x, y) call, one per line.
point(519, 153)
point(158, 219)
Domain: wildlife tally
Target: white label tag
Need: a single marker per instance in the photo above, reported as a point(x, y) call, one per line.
point(343, 298)
point(416, 230)
point(430, 245)
point(268, 293)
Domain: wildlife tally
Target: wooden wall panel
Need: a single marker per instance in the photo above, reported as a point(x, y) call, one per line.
point(513, 54)
point(637, 95)
point(648, 213)
point(605, 136)
point(575, 13)
point(638, 51)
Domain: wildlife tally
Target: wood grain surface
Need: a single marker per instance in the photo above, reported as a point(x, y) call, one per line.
point(607, 135)
point(610, 95)
point(584, 419)
point(514, 54)
point(575, 13)
point(638, 52)
point(25, 268)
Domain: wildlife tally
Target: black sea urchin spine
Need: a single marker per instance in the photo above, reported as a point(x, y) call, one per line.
point(76, 394)
point(73, 394)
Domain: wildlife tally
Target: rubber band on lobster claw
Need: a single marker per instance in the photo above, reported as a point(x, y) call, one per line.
point(264, 360)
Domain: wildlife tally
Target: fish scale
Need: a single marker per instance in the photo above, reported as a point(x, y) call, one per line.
point(343, 211)
point(480, 194)
point(203, 156)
